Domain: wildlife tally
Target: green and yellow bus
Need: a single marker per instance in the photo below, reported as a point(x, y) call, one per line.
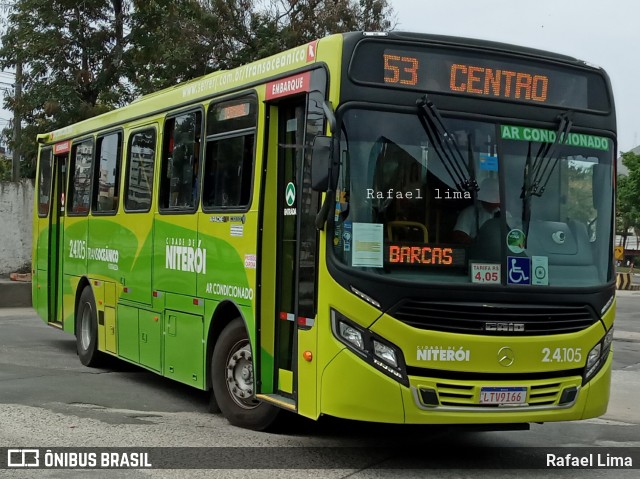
point(389, 227)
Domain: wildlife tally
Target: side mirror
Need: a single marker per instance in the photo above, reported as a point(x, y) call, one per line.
point(321, 154)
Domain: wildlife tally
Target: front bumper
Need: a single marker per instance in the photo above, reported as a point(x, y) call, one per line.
point(352, 389)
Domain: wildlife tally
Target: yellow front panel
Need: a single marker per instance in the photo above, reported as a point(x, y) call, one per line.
point(352, 389)
point(307, 373)
point(285, 380)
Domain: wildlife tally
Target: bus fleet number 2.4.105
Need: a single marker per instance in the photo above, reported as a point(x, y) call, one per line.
point(561, 355)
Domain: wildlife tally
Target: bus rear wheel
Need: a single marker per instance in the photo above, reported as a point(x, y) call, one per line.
point(87, 330)
point(232, 380)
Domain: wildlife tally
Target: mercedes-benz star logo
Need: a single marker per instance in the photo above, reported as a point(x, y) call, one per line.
point(506, 356)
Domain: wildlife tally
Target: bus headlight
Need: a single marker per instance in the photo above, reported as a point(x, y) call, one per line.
point(608, 339)
point(593, 357)
point(372, 348)
point(597, 356)
point(385, 353)
point(351, 335)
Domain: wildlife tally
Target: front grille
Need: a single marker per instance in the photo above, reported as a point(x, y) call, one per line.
point(506, 319)
point(544, 394)
point(456, 394)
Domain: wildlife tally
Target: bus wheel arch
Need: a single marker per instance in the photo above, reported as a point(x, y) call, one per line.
point(226, 312)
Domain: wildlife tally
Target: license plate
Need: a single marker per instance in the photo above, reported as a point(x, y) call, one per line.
point(503, 395)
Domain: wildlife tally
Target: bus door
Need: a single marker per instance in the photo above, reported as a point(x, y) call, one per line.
point(289, 218)
point(56, 231)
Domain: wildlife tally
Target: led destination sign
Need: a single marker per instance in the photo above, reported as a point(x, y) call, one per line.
point(424, 255)
point(478, 74)
point(403, 70)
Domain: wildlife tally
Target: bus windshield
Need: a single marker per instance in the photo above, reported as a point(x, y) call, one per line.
point(460, 207)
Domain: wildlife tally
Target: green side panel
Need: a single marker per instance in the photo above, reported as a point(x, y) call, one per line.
point(135, 249)
point(42, 247)
point(183, 348)
point(150, 343)
point(226, 245)
point(40, 287)
point(128, 333)
point(74, 245)
point(174, 261)
point(103, 248)
point(69, 288)
point(122, 253)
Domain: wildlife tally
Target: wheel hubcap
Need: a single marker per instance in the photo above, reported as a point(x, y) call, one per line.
point(239, 374)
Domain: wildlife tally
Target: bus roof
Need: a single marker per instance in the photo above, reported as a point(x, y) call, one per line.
point(198, 89)
point(226, 81)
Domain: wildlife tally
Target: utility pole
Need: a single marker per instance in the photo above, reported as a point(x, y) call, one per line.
point(17, 123)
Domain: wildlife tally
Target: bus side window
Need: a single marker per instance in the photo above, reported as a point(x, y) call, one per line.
point(107, 173)
point(228, 171)
point(44, 182)
point(181, 150)
point(80, 180)
point(139, 179)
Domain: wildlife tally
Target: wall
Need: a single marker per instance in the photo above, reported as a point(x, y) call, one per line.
point(16, 216)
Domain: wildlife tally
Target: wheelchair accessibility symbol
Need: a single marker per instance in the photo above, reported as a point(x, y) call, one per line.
point(519, 270)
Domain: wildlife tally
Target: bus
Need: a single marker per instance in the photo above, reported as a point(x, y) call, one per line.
point(388, 227)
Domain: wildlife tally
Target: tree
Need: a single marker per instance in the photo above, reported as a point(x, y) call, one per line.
point(5, 168)
point(176, 40)
point(628, 197)
point(73, 62)
point(84, 58)
point(284, 24)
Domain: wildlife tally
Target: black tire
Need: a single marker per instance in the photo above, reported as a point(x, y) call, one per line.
point(232, 380)
point(87, 330)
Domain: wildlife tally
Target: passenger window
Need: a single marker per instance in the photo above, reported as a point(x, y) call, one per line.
point(107, 173)
point(80, 181)
point(180, 162)
point(228, 171)
point(44, 182)
point(139, 180)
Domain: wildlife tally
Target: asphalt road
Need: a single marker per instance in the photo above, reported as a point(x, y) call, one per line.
point(49, 400)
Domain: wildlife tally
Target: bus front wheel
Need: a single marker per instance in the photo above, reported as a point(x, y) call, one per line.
point(87, 329)
point(233, 383)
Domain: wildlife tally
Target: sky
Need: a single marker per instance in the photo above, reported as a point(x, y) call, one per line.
point(602, 33)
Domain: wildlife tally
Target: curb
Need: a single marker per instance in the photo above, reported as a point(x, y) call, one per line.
point(623, 282)
point(15, 294)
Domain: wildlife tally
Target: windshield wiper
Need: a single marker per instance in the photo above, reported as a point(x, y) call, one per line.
point(537, 175)
point(445, 145)
point(546, 159)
